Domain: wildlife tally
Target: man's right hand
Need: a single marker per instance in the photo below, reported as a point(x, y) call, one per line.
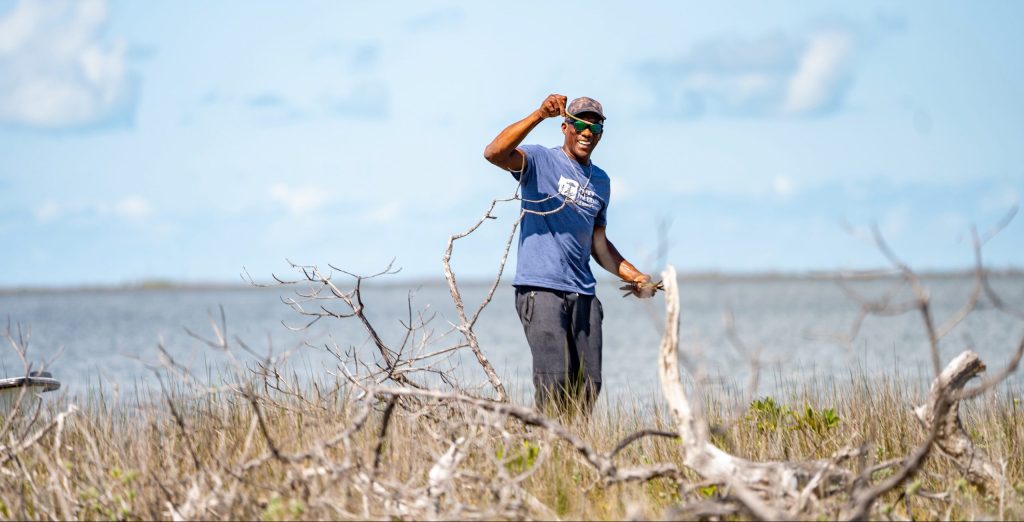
point(553, 106)
point(503, 150)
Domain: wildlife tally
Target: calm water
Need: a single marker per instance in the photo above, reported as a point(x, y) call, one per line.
point(111, 336)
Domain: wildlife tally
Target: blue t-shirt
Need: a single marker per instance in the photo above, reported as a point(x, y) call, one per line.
point(554, 247)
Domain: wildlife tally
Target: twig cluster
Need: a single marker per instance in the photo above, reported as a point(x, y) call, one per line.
point(261, 436)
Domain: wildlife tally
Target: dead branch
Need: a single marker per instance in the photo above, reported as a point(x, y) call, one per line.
point(781, 480)
point(951, 438)
point(601, 462)
point(465, 324)
point(11, 451)
point(699, 454)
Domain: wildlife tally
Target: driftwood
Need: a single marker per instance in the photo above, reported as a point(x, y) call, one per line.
point(784, 480)
point(778, 490)
point(951, 438)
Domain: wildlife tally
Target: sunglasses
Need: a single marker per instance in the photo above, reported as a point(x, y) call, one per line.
point(581, 125)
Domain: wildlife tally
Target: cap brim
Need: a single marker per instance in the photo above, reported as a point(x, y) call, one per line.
point(598, 114)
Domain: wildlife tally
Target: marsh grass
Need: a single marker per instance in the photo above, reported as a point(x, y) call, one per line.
point(134, 455)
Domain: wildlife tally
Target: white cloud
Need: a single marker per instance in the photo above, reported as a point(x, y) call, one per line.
point(56, 71)
point(805, 73)
point(822, 73)
point(299, 200)
point(621, 191)
point(47, 212)
point(895, 222)
point(1000, 199)
point(953, 224)
point(783, 185)
point(133, 208)
point(385, 213)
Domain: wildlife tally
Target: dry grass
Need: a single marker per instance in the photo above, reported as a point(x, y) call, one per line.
point(205, 454)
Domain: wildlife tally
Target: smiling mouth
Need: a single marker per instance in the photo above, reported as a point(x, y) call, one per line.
point(585, 143)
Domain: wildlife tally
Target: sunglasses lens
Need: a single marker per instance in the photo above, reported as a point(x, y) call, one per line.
point(581, 126)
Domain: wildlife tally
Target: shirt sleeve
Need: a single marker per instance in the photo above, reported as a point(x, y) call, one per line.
point(526, 175)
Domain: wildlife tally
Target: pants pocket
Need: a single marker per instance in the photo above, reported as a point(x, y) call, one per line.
point(524, 305)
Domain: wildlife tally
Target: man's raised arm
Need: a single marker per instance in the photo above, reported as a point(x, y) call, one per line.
point(503, 152)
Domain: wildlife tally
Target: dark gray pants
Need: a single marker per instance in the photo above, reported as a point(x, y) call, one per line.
point(564, 333)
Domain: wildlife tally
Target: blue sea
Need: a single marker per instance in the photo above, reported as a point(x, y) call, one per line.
point(111, 337)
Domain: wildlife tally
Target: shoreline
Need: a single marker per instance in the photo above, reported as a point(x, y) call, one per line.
point(702, 276)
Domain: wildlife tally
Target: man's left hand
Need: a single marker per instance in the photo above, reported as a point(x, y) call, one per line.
point(641, 287)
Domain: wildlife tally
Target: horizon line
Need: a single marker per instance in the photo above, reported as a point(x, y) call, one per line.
point(395, 280)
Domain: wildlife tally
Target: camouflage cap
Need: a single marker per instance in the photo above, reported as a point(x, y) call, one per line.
point(584, 104)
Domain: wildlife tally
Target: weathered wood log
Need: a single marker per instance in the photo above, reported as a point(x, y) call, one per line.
point(952, 439)
point(770, 490)
point(770, 480)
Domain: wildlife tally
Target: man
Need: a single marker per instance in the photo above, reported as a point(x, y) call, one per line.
point(565, 197)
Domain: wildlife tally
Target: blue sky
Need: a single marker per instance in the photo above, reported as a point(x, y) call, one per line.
point(186, 140)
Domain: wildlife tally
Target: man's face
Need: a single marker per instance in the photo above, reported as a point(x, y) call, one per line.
point(581, 144)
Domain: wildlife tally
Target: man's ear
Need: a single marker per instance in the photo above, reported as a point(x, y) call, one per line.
point(565, 128)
